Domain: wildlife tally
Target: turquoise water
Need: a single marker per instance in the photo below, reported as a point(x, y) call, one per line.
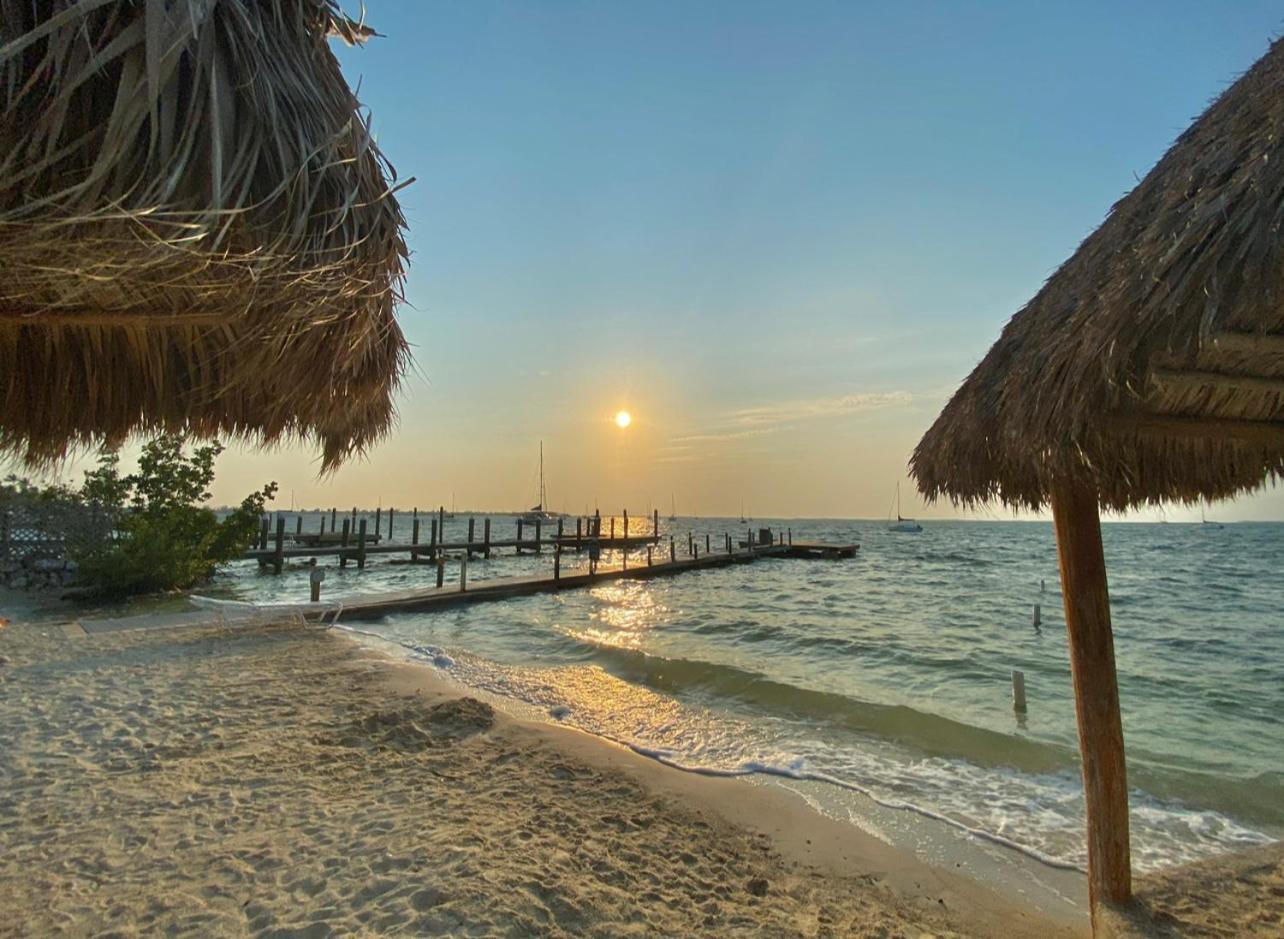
point(890, 673)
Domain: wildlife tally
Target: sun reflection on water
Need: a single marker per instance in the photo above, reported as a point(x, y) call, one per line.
point(625, 611)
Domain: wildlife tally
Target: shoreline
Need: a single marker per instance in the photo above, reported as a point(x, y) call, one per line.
point(230, 781)
point(914, 846)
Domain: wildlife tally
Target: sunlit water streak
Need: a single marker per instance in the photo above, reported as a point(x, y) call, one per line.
point(890, 673)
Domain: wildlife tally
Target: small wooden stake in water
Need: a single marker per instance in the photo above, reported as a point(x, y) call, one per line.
point(1036, 618)
point(557, 563)
point(463, 573)
point(361, 546)
point(1018, 691)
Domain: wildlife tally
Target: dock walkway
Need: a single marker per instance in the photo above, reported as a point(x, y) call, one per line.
point(373, 606)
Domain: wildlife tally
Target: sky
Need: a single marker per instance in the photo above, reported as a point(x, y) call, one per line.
point(778, 234)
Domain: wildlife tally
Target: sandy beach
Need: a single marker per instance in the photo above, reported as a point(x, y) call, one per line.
point(285, 781)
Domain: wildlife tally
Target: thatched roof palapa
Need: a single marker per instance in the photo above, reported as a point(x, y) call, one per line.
point(1150, 366)
point(197, 230)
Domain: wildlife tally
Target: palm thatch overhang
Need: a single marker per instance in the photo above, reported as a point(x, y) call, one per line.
point(1151, 365)
point(197, 230)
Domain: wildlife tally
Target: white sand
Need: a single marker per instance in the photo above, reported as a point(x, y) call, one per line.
point(288, 782)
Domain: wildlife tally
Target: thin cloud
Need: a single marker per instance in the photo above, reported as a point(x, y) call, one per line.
point(788, 412)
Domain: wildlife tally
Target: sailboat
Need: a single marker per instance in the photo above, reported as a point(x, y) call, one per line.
point(673, 508)
point(742, 512)
point(901, 524)
point(537, 513)
point(1209, 526)
point(451, 513)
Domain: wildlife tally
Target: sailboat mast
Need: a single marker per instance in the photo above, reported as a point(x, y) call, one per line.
point(542, 497)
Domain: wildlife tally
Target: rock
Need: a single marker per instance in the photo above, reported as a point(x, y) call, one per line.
point(758, 886)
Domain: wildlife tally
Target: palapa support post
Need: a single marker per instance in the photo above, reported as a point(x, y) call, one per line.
point(343, 543)
point(1096, 691)
point(486, 536)
point(361, 545)
point(278, 555)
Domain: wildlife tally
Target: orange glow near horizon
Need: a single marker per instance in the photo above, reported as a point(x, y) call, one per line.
point(623, 419)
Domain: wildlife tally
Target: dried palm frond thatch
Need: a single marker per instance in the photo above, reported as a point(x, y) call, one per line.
point(197, 230)
point(1150, 366)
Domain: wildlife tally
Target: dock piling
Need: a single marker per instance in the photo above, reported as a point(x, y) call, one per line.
point(378, 520)
point(486, 536)
point(463, 572)
point(333, 516)
point(707, 549)
point(727, 536)
point(648, 555)
point(343, 555)
point(1018, 691)
point(519, 536)
point(414, 534)
point(361, 546)
point(539, 544)
point(655, 522)
point(279, 560)
point(673, 551)
point(298, 524)
point(557, 563)
point(432, 553)
point(472, 530)
point(441, 568)
point(391, 512)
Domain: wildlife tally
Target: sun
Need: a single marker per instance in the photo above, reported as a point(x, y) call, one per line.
point(623, 419)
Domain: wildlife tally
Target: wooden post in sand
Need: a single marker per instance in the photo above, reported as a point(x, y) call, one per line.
point(1096, 691)
point(361, 545)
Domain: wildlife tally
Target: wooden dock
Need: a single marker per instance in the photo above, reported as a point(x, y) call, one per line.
point(657, 564)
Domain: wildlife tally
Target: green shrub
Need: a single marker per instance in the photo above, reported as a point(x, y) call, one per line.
point(160, 535)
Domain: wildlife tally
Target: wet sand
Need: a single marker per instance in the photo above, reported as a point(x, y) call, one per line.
point(289, 782)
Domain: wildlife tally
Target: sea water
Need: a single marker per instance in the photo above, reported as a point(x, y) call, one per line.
point(890, 674)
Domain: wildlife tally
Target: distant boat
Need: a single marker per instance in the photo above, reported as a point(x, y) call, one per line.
point(1209, 526)
point(451, 513)
point(673, 509)
point(742, 512)
point(537, 513)
point(902, 524)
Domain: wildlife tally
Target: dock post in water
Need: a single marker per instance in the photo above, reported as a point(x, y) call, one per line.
point(791, 536)
point(463, 573)
point(378, 520)
point(707, 549)
point(441, 523)
point(539, 544)
point(519, 536)
point(298, 524)
point(432, 545)
point(486, 536)
point(441, 567)
point(263, 533)
point(1018, 691)
point(727, 536)
point(557, 563)
point(612, 528)
point(673, 551)
point(579, 534)
point(472, 530)
point(391, 512)
point(278, 560)
point(648, 555)
point(343, 555)
point(361, 546)
point(690, 545)
point(333, 516)
point(414, 536)
point(655, 522)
